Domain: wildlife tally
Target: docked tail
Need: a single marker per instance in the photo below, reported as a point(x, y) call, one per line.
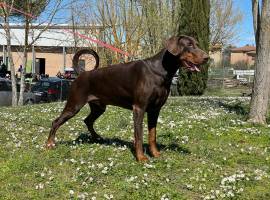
point(75, 60)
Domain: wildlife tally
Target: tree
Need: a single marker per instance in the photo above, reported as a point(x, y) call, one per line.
point(194, 21)
point(159, 23)
point(225, 19)
point(27, 11)
point(113, 23)
point(138, 27)
point(31, 10)
point(260, 91)
point(6, 11)
point(34, 8)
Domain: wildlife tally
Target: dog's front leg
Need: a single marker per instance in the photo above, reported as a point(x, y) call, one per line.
point(152, 117)
point(138, 114)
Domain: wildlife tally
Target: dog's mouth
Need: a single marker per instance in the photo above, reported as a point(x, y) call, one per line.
point(191, 66)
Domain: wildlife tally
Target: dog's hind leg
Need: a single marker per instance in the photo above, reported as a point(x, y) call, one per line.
point(97, 109)
point(72, 107)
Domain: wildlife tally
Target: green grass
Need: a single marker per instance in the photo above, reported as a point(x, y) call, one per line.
point(225, 92)
point(208, 151)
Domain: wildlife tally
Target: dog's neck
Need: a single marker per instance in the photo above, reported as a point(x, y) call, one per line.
point(165, 64)
point(170, 63)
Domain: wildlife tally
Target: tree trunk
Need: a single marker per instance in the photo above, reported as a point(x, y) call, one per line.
point(22, 82)
point(256, 16)
point(260, 93)
point(11, 63)
point(25, 48)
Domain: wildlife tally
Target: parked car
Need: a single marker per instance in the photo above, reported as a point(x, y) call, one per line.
point(6, 94)
point(70, 73)
point(51, 89)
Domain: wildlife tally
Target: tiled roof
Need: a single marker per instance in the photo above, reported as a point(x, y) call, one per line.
point(243, 49)
point(251, 53)
point(54, 36)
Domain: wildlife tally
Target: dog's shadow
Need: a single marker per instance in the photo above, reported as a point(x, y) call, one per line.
point(238, 108)
point(85, 138)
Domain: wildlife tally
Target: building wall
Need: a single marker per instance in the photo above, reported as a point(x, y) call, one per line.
point(54, 62)
point(241, 57)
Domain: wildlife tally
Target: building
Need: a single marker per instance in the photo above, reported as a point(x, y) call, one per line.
point(51, 53)
point(245, 54)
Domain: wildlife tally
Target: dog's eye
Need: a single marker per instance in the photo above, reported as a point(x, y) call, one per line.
point(190, 45)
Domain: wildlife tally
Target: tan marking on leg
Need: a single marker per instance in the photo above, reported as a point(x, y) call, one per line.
point(152, 142)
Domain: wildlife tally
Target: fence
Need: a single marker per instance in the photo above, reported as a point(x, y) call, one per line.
point(228, 77)
point(225, 77)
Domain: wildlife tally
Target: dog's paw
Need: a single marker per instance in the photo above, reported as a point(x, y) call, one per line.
point(142, 158)
point(155, 154)
point(50, 145)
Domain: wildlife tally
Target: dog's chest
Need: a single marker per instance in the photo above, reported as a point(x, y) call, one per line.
point(159, 97)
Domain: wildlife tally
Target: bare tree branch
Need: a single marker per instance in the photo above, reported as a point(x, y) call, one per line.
point(224, 22)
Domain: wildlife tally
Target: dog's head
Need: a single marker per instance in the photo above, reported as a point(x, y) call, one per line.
point(186, 48)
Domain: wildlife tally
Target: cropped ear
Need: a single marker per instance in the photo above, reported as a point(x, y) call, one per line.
point(172, 45)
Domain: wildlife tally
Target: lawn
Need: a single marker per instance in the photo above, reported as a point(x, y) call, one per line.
point(232, 92)
point(208, 151)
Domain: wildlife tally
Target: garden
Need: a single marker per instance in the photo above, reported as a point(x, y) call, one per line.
point(208, 151)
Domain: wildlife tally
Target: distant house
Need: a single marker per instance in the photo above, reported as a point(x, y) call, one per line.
point(245, 54)
point(51, 53)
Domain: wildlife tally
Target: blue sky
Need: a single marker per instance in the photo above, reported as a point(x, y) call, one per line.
point(245, 29)
point(246, 33)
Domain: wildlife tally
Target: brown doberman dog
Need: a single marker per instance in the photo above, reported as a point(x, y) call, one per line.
point(141, 86)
